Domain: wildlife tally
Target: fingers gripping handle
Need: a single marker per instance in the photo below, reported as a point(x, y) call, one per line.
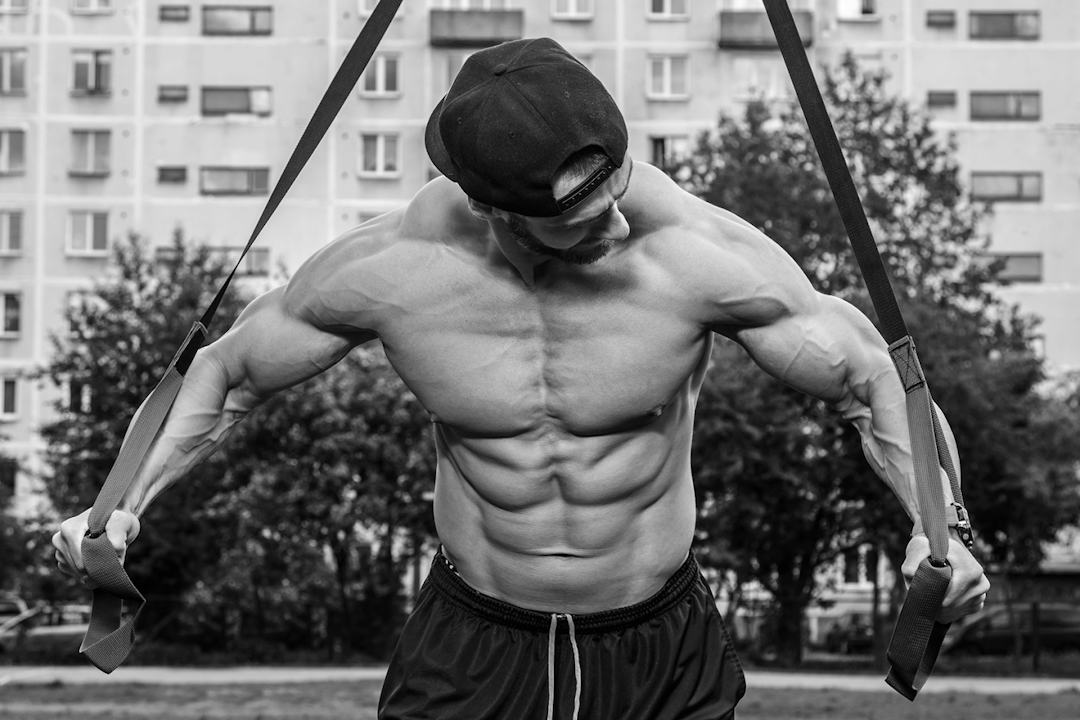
point(917, 636)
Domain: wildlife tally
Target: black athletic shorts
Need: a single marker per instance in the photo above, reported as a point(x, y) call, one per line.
point(464, 655)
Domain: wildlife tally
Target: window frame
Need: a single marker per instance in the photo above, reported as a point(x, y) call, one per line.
point(6, 414)
point(248, 90)
point(252, 11)
point(932, 95)
point(165, 13)
point(253, 189)
point(1017, 25)
point(668, 95)
point(667, 14)
point(1018, 175)
point(575, 13)
point(377, 69)
point(95, 88)
point(94, 7)
point(1010, 97)
point(941, 19)
point(380, 172)
point(1017, 277)
point(180, 178)
point(8, 221)
point(14, 7)
point(90, 221)
point(170, 94)
point(90, 170)
point(6, 297)
point(8, 72)
point(7, 168)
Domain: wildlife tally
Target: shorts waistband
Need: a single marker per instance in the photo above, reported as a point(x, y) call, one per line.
point(449, 583)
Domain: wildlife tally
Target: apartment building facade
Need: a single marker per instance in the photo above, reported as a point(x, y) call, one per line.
point(144, 116)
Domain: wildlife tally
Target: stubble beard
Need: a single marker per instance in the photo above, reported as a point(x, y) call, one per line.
point(586, 252)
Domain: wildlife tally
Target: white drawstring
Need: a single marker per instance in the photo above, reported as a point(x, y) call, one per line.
point(577, 665)
point(551, 665)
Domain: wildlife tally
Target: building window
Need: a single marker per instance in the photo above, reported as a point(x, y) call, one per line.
point(668, 77)
point(666, 149)
point(381, 77)
point(668, 9)
point(174, 13)
point(9, 469)
point(571, 9)
point(14, 7)
point(1006, 186)
point(940, 99)
point(10, 407)
point(256, 262)
point(379, 154)
point(92, 72)
point(1019, 267)
point(78, 396)
point(1004, 25)
point(172, 93)
point(1005, 106)
point(88, 233)
point(91, 7)
point(217, 101)
point(941, 19)
point(856, 9)
point(470, 4)
point(172, 174)
point(231, 20)
point(11, 232)
point(11, 307)
point(90, 153)
point(234, 181)
point(12, 71)
point(12, 152)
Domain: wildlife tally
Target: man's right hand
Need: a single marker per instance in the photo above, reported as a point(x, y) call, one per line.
point(121, 529)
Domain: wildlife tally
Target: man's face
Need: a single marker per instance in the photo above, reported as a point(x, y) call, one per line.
point(585, 234)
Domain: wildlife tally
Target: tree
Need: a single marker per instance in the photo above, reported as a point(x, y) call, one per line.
point(121, 335)
point(781, 485)
point(330, 484)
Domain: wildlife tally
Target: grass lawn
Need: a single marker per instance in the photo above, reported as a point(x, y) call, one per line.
point(356, 701)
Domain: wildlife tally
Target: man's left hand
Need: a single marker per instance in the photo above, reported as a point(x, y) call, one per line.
point(968, 587)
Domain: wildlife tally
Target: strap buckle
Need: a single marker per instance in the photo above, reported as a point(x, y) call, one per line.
point(963, 526)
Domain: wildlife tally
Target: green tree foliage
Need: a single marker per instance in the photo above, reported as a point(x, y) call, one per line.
point(782, 487)
point(121, 335)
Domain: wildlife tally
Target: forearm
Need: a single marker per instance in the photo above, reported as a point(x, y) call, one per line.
point(203, 415)
point(878, 411)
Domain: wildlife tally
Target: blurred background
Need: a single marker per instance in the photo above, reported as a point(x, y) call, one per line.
point(140, 138)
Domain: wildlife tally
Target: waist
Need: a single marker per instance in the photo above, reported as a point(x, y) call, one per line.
point(450, 584)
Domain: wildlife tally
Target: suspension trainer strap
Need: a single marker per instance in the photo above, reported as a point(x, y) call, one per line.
point(117, 602)
point(917, 636)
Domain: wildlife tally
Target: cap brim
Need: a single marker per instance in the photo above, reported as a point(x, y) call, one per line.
point(435, 148)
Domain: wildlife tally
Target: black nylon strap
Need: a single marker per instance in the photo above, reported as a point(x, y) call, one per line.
point(917, 637)
point(110, 636)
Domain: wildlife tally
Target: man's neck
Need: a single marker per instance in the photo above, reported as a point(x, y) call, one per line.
point(509, 249)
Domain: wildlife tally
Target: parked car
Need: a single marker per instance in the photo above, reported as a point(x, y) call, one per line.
point(45, 629)
point(991, 631)
point(852, 638)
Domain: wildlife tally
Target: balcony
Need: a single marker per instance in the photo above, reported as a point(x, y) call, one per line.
point(475, 28)
point(750, 29)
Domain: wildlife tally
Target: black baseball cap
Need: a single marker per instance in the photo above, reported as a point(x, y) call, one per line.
point(514, 114)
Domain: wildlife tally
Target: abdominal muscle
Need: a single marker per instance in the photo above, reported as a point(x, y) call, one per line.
point(554, 522)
